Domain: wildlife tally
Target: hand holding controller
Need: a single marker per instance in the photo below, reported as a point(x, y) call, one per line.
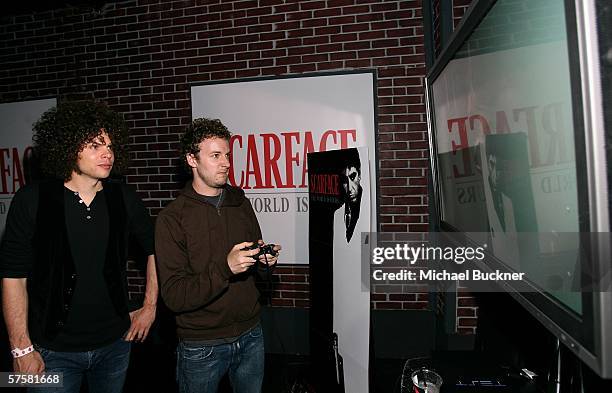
point(263, 250)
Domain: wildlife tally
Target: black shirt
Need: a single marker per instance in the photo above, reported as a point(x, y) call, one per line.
point(92, 321)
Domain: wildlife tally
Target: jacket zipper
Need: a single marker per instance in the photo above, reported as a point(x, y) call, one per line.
point(218, 206)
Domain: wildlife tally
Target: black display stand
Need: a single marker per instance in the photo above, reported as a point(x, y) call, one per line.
point(320, 243)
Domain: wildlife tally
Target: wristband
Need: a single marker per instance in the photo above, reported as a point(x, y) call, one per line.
point(18, 352)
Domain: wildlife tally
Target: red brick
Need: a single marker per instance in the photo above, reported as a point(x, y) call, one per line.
point(393, 182)
point(282, 303)
point(327, 30)
point(247, 73)
point(410, 136)
point(242, 4)
point(415, 305)
point(394, 228)
point(303, 50)
point(358, 63)
point(408, 219)
point(408, 154)
point(466, 312)
point(295, 24)
point(332, 65)
point(406, 297)
point(303, 68)
point(395, 164)
point(259, 11)
point(371, 53)
point(388, 305)
point(342, 20)
point(272, 18)
point(287, 8)
point(393, 210)
point(467, 322)
point(294, 295)
point(314, 22)
point(311, 5)
point(359, 9)
point(302, 303)
point(356, 28)
point(339, 3)
point(299, 15)
point(274, 70)
point(418, 182)
point(383, 61)
point(324, 13)
point(318, 40)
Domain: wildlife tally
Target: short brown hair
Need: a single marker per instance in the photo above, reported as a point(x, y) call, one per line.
point(197, 131)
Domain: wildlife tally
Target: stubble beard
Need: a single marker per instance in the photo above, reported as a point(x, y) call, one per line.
point(218, 181)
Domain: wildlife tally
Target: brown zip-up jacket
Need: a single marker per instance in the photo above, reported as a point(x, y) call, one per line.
point(192, 241)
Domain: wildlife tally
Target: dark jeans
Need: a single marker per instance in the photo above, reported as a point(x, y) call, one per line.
point(200, 367)
point(104, 368)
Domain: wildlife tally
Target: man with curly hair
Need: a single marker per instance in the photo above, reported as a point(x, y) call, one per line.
point(63, 256)
point(206, 274)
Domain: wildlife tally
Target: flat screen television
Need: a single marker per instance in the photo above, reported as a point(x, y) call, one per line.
point(520, 133)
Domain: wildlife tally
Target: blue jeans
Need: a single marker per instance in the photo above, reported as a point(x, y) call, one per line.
point(200, 367)
point(105, 368)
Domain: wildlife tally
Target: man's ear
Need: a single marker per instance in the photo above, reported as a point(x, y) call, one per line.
point(191, 160)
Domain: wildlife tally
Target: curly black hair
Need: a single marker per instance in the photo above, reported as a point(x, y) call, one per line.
point(196, 132)
point(63, 131)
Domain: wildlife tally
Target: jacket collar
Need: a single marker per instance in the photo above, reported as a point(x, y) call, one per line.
point(230, 196)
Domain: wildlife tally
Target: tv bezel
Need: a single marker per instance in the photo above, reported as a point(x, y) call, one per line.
point(589, 335)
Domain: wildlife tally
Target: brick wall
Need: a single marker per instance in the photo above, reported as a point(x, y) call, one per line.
point(467, 312)
point(459, 8)
point(142, 56)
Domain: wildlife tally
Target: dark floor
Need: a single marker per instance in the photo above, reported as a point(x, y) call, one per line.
point(152, 369)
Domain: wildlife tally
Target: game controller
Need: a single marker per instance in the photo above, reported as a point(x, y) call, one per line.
point(263, 249)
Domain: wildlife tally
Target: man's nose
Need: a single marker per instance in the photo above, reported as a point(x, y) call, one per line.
point(107, 152)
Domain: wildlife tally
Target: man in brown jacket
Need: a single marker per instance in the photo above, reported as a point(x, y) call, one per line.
point(205, 272)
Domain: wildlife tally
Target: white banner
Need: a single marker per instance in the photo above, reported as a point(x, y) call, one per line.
point(275, 123)
point(351, 301)
point(16, 143)
point(340, 297)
